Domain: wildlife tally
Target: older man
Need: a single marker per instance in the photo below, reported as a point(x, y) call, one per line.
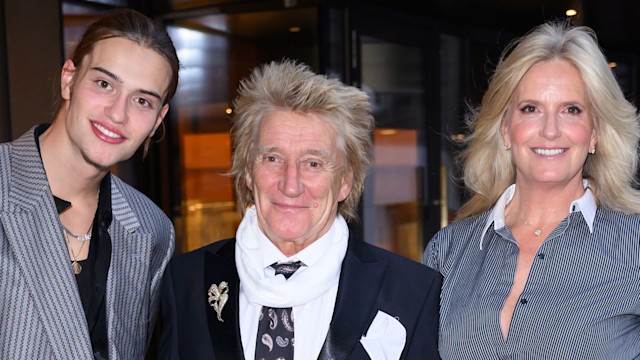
point(294, 283)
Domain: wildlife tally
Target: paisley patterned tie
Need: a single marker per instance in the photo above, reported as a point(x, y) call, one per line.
point(275, 329)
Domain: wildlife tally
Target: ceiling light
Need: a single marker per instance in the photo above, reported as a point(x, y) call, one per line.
point(613, 64)
point(571, 12)
point(294, 29)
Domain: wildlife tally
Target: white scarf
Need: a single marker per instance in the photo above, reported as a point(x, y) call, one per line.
point(298, 290)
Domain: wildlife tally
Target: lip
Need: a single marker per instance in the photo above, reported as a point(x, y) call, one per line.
point(289, 207)
point(107, 133)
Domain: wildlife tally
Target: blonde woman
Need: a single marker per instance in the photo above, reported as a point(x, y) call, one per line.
point(544, 259)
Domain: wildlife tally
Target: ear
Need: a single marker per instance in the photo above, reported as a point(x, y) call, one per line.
point(67, 77)
point(594, 139)
point(504, 131)
point(345, 187)
point(159, 119)
point(248, 180)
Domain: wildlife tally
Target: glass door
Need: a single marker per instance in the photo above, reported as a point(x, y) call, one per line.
point(392, 203)
point(396, 59)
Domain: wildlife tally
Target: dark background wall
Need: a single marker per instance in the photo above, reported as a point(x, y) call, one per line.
point(5, 129)
point(30, 59)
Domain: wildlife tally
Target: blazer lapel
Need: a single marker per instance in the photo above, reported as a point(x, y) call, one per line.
point(360, 281)
point(34, 233)
point(225, 334)
point(128, 273)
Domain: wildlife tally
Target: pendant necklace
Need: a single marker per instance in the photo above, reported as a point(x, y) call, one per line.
point(75, 265)
point(537, 230)
point(83, 238)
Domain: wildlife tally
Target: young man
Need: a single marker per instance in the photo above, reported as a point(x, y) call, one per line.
point(81, 252)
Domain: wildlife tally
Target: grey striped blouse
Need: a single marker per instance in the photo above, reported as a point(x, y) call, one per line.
point(581, 299)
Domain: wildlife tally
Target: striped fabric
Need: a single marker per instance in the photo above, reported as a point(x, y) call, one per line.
point(41, 315)
point(581, 300)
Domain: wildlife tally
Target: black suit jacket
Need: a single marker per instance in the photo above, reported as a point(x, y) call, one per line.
point(371, 279)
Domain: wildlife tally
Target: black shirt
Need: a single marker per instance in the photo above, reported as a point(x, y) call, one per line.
point(92, 280)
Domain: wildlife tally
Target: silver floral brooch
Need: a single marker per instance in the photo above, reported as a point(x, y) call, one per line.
point(218, 296)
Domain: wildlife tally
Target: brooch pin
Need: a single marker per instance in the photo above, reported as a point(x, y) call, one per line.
point(218, 296)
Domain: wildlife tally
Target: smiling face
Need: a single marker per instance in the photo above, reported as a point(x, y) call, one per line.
point(114, 100)
point(295, 179)
point(549, 126)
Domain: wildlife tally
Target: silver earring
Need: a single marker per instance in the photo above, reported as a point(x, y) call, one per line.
point(592, 151)
point(505, 147)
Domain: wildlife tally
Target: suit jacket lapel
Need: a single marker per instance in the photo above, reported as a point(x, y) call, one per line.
point(34, 233)
point(360, 281)
point(128, 275)
point(225, 335)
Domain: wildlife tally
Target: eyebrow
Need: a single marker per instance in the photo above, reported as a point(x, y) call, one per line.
point(314, 152)
point(319, 153)
point(118, 79)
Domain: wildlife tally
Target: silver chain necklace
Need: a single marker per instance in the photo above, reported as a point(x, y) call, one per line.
point(81, 237)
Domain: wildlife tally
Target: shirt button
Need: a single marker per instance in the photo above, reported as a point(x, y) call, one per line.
point(523, 301)
point(541, 256)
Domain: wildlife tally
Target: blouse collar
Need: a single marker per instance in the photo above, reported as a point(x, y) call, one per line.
point(586, 205)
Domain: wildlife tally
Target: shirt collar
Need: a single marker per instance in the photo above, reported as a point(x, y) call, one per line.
point(586, 205)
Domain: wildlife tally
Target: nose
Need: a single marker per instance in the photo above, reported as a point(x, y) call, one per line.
point(116, 110)
point(550, 129)
point(291, 184)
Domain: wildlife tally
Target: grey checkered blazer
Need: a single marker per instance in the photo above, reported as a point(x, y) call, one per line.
point(41, 315)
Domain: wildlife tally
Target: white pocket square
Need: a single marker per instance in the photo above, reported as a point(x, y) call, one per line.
point(385, 338)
